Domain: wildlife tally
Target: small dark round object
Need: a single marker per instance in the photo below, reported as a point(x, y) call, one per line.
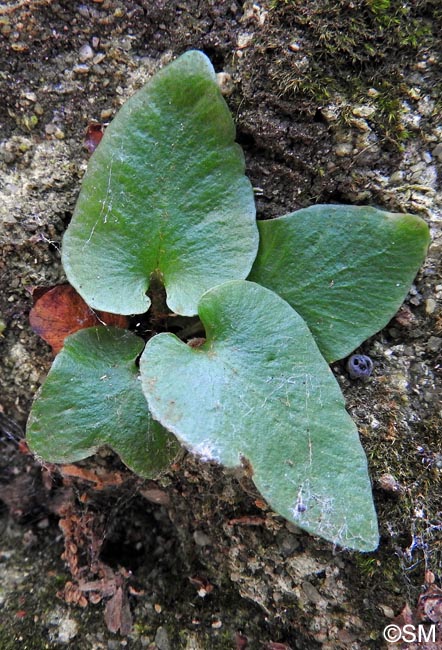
point(359, 366)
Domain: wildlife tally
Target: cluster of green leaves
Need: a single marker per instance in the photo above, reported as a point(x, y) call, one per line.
point(165, 196)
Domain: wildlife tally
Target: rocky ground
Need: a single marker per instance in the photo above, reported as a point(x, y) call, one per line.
point(334, 101)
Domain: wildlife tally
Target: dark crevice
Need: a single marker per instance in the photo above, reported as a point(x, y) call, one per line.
point(159, 318)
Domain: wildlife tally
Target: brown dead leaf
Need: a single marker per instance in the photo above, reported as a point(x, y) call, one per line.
point(202, 584)
point(117, 613)
point(429, 577)
point(241, 641)
point(429, 606)
point(101, 480)
point(94, 133)
point(92, 579)
point(72, 595)
point(105, 587)
point(247, 521)
point(404, 316)
point(405, 617)
point(154, 494)
point(61, 311)
point(414, 629)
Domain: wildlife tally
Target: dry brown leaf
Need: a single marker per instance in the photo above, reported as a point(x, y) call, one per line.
point(100, 480)
point(117, 613)
point(429, 606)
point(61, 311)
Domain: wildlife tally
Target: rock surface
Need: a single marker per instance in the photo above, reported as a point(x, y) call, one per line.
point(331, 106)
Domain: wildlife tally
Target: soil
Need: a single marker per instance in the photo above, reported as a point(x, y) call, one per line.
point(334, 101)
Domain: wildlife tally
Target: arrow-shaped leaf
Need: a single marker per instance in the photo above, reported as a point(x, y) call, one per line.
point(345, 269)
point(92, 397)
point(258, 389)
point(164, 193)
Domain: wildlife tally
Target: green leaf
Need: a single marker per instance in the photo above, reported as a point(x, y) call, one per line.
point(259, 390)
point(345, 269)
point(164, 193)
point(92, 397)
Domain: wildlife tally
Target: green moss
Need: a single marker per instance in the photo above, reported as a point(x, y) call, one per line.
point(334, 50)
point(379, 7)
point(380, 570)
point(389, 105)
point(411, 517)
point(367, 565)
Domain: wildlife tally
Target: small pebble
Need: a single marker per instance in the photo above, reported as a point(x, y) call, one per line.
point(364, 110)
point(225, 83)
point(81, 68)
point(86, 53)
point(162, 639)
point(387, 611)
point(389, 484)
point(414, 93)
point(437, 151)
point(330, 113)
point(360, 124)
point(434, 343)
point(244, 40)
point(99, 58)
point(106, 114)
point(397, 177)
point(201, 538)
point(344, 149)
point(68, 630)
point(112, 644)
point(31, 96)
